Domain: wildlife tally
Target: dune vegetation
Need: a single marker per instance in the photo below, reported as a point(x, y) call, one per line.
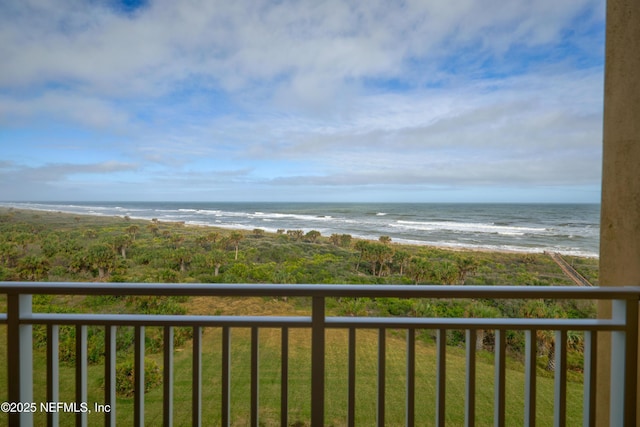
point(51, 246)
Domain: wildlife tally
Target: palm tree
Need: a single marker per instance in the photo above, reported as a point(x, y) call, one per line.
point(101, 257)
point(371, 255)
point(120, 244)
point(216, 259)
point(176, 240)
point(295, 234)
point(478, 309)
point(345, 240)
point(8, 253)
point(361, 246)
point(202, 241)
point(312, 235)
point(213, 237)
point(445, 272)
point(466, 265)
point(419, 269)
point(234, 239)
point(546, 339)
point(22, 239)
point(33, 267)
point(383, 255)
point(182, 256)
point(401, 258)
point(90, 233)
point(153, 228)
point(133, 231)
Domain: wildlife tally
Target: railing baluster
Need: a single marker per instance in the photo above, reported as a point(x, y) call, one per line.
point(110, 375)
point(167, 377)
point(590, 363)
point(411, 378)
point(351, 380)
point(499, 382)
point(284, 378)
point(81, 373)
point(317, 360)
point(138, 367)
point(20, 358)
point(470, 384)
point(530, 355)
point(53, 372)
point(382, 372)
point(441, 376)
point(255, 373)
point(631, 386)
point(624, 363)
point(196, 380)
point(226, 377)
point(560, 379)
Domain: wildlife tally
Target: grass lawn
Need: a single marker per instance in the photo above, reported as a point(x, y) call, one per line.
point(300, 373)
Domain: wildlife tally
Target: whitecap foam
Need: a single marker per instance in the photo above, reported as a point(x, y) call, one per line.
point(301, 217)
point(467, 227)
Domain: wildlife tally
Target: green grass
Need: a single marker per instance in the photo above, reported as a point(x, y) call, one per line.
point(336, 394)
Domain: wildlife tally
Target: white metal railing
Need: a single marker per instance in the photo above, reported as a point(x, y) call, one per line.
point(623, 328)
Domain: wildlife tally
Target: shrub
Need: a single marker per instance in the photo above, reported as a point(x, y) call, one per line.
point(155, 305)
point(125, 377)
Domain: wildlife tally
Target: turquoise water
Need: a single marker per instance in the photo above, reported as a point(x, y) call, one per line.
point(571, 229)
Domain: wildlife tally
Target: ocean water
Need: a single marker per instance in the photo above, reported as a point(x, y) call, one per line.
point(571, 229)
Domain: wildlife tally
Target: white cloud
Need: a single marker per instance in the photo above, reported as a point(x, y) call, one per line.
point(317, 92)
point(67, 106)
point(238, 45)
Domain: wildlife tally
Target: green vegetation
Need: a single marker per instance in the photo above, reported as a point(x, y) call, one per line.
point(47, 246)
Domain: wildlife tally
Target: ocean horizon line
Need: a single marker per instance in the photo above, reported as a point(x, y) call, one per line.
point(307, 202)
point(567, 228)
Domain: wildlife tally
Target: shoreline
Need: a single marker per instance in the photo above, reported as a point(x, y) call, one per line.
point(400, 243)
point(158, 254)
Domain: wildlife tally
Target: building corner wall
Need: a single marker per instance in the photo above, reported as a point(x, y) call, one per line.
point(620, 215)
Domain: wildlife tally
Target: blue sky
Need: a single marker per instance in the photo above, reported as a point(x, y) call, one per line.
point(207, 100)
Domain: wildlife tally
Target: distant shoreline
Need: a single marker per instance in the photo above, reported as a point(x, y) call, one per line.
point(457, 248)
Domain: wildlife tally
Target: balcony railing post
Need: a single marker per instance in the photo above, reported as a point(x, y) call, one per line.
point(624, 363)
point(317, 360)
point(20, 362)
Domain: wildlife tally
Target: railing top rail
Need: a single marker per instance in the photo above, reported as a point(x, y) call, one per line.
point(331, 322)
point(309, 290)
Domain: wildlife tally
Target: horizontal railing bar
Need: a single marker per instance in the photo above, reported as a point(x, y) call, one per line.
point(369, 291)
point(474, 323)
point(331, 322)
point(167, 320)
